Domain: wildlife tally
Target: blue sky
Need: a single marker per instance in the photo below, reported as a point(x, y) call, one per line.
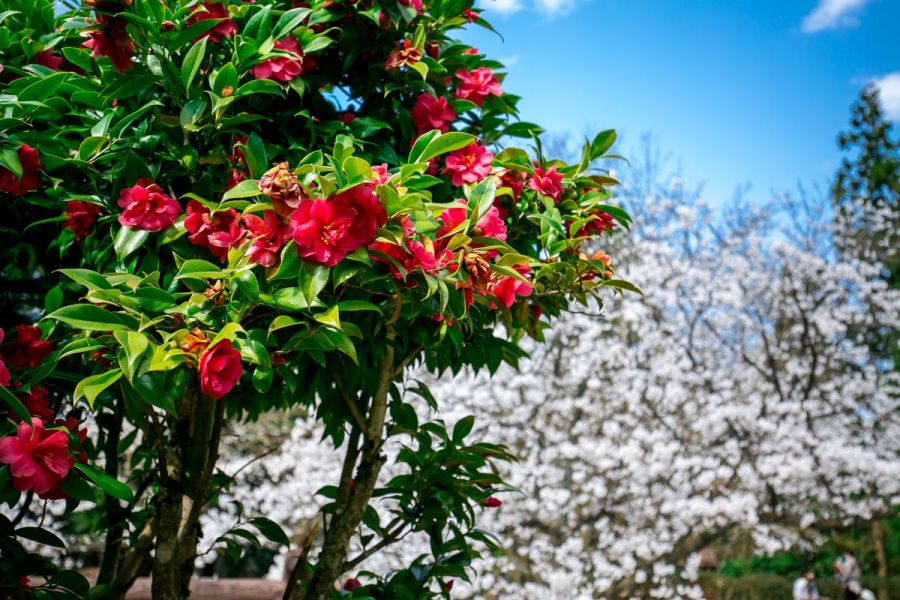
point(739, 91)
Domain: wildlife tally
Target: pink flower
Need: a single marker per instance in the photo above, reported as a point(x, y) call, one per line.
point(220, 369)
point(506, 289)
point(489, 225)
point(214, 10)
point(477, 84)
point(282, 68)
point(147, 207)
point(46, 58)
point(111, 40)
point(411, 256)
point(381, 174)
point(80, 217)
point(30, 350)
point(235, 176)
point(217, 232)
point(468, 165)
point(416, 4)
point(31, 179)
point(548, 183)
point(325, 231)
point(38, 458)
point(470, 15)
point(430, 113)
point(269, 234)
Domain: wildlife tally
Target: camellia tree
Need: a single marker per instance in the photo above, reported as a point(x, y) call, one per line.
point(219, 209)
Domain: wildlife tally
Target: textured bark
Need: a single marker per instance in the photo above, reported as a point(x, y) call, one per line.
point(878, 534)
point(346, 519)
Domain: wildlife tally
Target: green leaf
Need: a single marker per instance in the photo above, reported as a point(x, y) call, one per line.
point(91, 387)
point(312, 280)
point(330, 317)
point(80, 346)
point(291, 298)
point(15, 405)
point(481, 198)
point(192, 61)
point(135, 345)
point(621, 284)
point(41, 536)
point(9, 160)
point(92, 318)
point(89, 279)
point(603, 141)
point(259, 86)
point(462, 428)
point(91, 146)
point(271, 530)
point(289, 21)
point(113, 487)
point(128, 241)
point(227, 332)
point(248, 285)
point(226, 76)
point(357, 306)
point(244, 189)
point(199, 269)
point(422, 142)
point(447, 142)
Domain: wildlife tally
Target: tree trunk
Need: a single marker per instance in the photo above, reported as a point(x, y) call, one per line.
point(878, 534)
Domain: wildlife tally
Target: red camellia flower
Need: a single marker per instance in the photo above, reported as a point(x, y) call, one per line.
point(235, 176)
point(30, 350)
point(147, 207)
point(352, 584)
point(468, 165)
point(38, 458)
point(214, 10)
point(477, 84)
point(269, 235)
point(80, 217)
point(514, 180)
point(602, 222)
point(381, 174)
point(411, 256)
point(492, 502)
point(489, 225)
point(216, 232)
point(325, 231)
point(111, 40)
point(548, 183)
point(282, 68)
point(506, 289)
point(31, 180)
point(220, 368)
point(4, 372)
point(46, 58)
point(37, 401)
point(430, 113)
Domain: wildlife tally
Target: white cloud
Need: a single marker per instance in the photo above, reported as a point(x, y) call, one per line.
point(889, 90)
point(506, 7)
point(555, 8)
point(831, 14)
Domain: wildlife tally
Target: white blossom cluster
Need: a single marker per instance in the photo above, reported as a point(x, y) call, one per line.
point(738, 395)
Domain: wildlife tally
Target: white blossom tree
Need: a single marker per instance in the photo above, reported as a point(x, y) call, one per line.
point(737, 395)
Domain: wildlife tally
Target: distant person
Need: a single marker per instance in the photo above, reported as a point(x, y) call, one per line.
point(805, 586)
point(849, 573)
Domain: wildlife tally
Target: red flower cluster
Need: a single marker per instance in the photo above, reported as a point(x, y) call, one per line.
point(46, 58)
point(601, 223)
point(80, 217)
point(29, 350)
point(37, 402)
point(506, 288)
point(468, 165)
point(220, 369)
point(214, 10)
point(489, 225)
point(38, 458)
point(217, 232)
point(412, 255)
point(147, 207)
point(269, 234)
point(325, 231)
point(477, 84)
point(547, 182)
point(282, 68)
point(31, 179)
point(430, 113)
point(111, 40)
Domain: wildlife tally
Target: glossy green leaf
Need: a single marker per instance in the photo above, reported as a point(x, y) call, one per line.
point(91, 387)
point(112, 487)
